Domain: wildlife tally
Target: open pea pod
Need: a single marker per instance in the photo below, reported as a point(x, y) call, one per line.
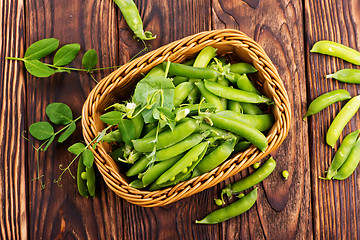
point(85, 179)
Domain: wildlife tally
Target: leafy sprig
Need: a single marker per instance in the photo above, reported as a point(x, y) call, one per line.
point(63, 56)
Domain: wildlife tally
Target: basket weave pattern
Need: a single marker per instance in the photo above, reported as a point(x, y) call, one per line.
point(120, 84)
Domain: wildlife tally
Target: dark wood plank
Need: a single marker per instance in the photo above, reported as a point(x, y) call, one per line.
point(169, 20)
point(60, 212)
point(283, 208)
point(13, 179)
point(335, 203)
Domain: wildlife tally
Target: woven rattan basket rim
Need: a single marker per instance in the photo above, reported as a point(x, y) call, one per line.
point(178, 51)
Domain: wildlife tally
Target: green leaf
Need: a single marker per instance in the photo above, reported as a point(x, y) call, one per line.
point(42, 48)
point(65, 135)
point(90, 59)
point(38, 69)
point(127, 129)
point(154, 91)
point(59, 113)
point(88, 158)
point(111, 118)
point(77, 148)
point(49, 142)
point(41, 130)
point(66, 54)
point(113, 136)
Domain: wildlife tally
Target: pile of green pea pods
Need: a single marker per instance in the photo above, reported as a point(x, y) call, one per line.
point(347, 156)
point(222, 112)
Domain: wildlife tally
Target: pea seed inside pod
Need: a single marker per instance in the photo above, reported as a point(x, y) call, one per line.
point(185, 170)
point(83, 175)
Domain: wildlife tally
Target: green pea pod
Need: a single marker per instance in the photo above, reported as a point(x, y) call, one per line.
point(138, 122)
point(90, 180)
point(251, 108)
point(159, 168)
point(350, 163)
point(234, 106)
point(337, 50)
point(261, 122)
point(81, 183)
point(156, 71)
point(215, 132)
point(193, 97)
point(191, 156)
point(166, 138)
point(241, 68)
point(259, 175)
point(209, 97)
point(180, 147)
point(139, 166)
point(346, 75)
point(133, 19)
point(191, 72)
point(232, 210)
point(326, 100)
point(178, 79)
point(248, 132)
point(342, 153)
point(242, 146)
point(244, 83)
point(235, 94)
point(341, 119)
point(181, 92)
point(215, 158)
point(137, 183)
point(204, 57)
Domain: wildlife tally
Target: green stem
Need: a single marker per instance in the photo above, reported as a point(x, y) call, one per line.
point(65, 68)
point(67, 126)
point(93, 78)
point(14, 58)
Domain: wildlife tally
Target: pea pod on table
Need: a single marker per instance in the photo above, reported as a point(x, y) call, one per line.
point(235, 209)
point(337, 50)
point(341, 119)
point(346, 75)
point(326, 100)
point(350, 163)
point(85, 179)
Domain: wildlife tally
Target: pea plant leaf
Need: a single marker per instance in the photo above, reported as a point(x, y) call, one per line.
point(77, 148)
point(67, 133)
point(66, 54)
point(127, 130)
point(88, 158)
point(41, 48)
point(166, 117)
point(41, 130)
point(38, 69)
point(154, 91)
point(111, 118)
point(89, 60)
point(59, 113)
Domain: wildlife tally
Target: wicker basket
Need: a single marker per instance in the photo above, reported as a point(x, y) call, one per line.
point(120, 84)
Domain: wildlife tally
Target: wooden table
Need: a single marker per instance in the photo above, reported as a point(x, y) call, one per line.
point(303, 207)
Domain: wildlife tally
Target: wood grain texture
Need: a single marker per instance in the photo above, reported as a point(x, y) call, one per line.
point(335, 203)
point(13, 179)
point(283, 208)
point(60, 212)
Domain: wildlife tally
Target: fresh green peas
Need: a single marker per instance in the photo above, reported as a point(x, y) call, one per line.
point(235, 106)
point(342, 118)
point(138, 167)
point(191, 156)
point(251, 108)
point(244, 83)
point(326, 100)
point(166, 138)
point(235, 94)
point(133, 19)
point(342, 154)
point(204, 57)
point(350, 163)
point(337, 50)
point(261, 122)
point(191, 72)
point(181, 92)
point(215, 158)
point(346, 75)
point(250, 133)
point(242, 68)
point(232, 210)
point(218, 202)
point(260, 174)
point(210, 97)
point(85, 179)
point(256, 165)
point(180, 147)
point(285, 174)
